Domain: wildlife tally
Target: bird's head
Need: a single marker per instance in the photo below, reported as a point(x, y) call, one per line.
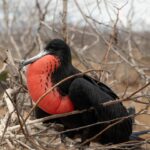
point(56, 47)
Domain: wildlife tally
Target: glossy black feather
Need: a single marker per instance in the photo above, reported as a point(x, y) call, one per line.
point(86, 92)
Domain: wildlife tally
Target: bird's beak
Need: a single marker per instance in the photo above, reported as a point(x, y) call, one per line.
point(34, 58)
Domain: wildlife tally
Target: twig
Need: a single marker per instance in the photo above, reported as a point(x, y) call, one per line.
point(24, 145)
point(5, 129)
point(10, 144)
point(7, 100)
point(94, 124)
point(127, 98)
point(64, 20)
point(113, 38)
point(105, 129)
point(17, 113)
point(48, 118)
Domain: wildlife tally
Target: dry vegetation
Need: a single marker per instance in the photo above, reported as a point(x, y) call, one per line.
point(122, 54)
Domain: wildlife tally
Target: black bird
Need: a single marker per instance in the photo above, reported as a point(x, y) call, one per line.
point(54, 64)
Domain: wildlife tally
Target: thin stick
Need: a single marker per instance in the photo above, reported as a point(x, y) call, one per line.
point(127, 98)
point(64, 20)
point(49, 118)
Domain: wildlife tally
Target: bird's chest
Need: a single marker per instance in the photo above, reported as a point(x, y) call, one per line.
point(39, 81)
point(39, 77)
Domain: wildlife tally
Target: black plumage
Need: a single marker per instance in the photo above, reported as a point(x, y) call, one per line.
point(86, 92)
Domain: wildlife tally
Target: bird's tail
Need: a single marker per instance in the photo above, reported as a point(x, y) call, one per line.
point(135, 135)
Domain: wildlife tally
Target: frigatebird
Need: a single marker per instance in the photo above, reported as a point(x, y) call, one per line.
point(81, 92)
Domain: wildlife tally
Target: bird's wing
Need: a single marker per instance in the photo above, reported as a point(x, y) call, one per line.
point(102, 86)
point(85, 92)
point(98, 84)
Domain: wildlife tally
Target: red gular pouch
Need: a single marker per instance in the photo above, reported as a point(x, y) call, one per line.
point(39, 81)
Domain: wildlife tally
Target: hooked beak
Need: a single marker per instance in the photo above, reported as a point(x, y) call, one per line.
point(33, 59)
